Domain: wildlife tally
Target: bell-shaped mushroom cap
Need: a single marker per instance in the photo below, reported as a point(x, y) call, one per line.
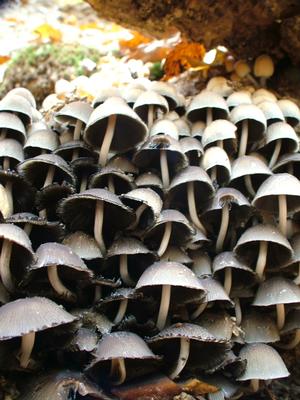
point(215, 291)
point(264, 92)
point(14, 126)
point(263, 66)
point(220, 130)
point(279, 249)
point(226, 388)
point(283, 131)
point(149, 98)
point(172, 116)
point(183, 127)
point(198, 240)
point(31, 314)
point(18, 237)
point(122, 163)
point(66, 150)
point(35, 169)
point(290, 111)
point(74, 111)
point(287, 160)
point(277, 290)
point(263, 362)
point(191, 145)
point(122, 344)
point(18, 105)
point(24, 92)
point(37, 127)
point(292, 322)
point(129, 246)
point(198, 129)
point(255, 117)
point(219, 324)
point(13, 150)
point(197, 109)
point(105, 93)
point(201, 263)
point(266, 198)
point(271, 112)
point(122, 182)
point(151, 181)
point(220, 85)
point(131, 94)
point(259, 328)
point(168, 91)
point(217, 157)
point(85, 246)
point(40, 140)
point(129, 130)
point(164, 127)
point(176, 254)
point(238, 98)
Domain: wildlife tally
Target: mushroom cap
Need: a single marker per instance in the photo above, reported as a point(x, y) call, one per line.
point(183, 127)
point(292, 322)
point(242, 68)
point(215, 291)
point(66, 150)
point(37, 126)
point(274, 186)
point(247, 247)
point(198, 129)
point(283, 131)
point(164, 127)
point(17, 236)
point(122, 163)
point(217, 157)
point(263, 66)
point(198, 239)
point(191, 144)
point(129, 131)
point(146, 196)
point(277, 290)
point(238, 98)
point(14, 125)
point(262, 92)
point(13, 150)
point(168, 91)
point(85, 246)
point(24, 92)
point(151, 181)
point(83, 340)
point(128, 246)
point(176, 254)
point(131, 94)
point(263, 362)
point(105, 93)
point(259, 328)
point(122, 182)
point(290, 111)
point(218, 324)
point(201, 263)
point(74, 111)
point(149, 98)
point(220, 130)
point(18, 105)
point(31, 314)
point(271, 111)
point(285, 160)
point(197, 109)
point(220, 85)
point(40, 140)
point(255, 117)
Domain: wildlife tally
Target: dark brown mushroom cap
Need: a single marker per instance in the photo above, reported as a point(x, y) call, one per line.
point(182, 230)
point(218, 324)
point(266, 198)
point(18, 105)
point(292, 322)
point(13, 150)
point(129, 131)
point(74, 111)
point(217, 157)
point(271, 111)
point(78, 211)
point(213, 351)
point(168, 91)
point(203, 187)
point(201, 263)
point(277, 290)
point(220, 130)
point(14, 125)
point(123, 182)
point(31, 314)
point(35, 169)
point(24, 92)
point(279, 249)
point(146, 99)
point(176, 254)
point(122, 163)
point(285, 161)
point(197, 109)
point(85, 246)
point(129, 246)
point(255, 117)
point(164, 127)
point(263, 362)
point(259, 328)
point(215, 291)
point(66, 150)
point(40, 140)
point(237, 98)
point(290, 111)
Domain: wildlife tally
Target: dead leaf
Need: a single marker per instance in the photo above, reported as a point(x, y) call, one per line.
point(135, 41)
point(196, 387)
point(4, 59)
point(47, 32)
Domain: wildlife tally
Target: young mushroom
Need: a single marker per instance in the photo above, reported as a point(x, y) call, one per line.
point(221, 133)
point(207, 106)
point(18, 106)
point(290, 111)
point(237, 98)
point(147, 106)
point(259, 327)
point(12, 127)
point(263, 68)
point(216, 163)
point(115, 180)
point(291, 326)
point(40, 142)
point(192, 149)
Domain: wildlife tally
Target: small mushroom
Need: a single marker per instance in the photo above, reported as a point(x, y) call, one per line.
point(215, 162)
point(220, 133)
point(220, 85)
point(25, 317)
point(164, 127)
point(105, 93)
point(24, 92)
point(72, 150)
point(243, 70)
point(12, 127)
point(259, 328)
point(148, 104)
point(193, 149)
point(290, 111)
point(288, 163)
point(207, 106)
point(291, 326)
point(202, 265)
point(237, 98)
point(131, 94)
point(169, 92)
point(115, 180)
point(17, 105)
point(40, 142)
point(263, 68)
point(183, 127)
point(198, 129)
point(271, 111)
point(151, 181)
point(176, 254)
point(219, 324)
point(293, 263)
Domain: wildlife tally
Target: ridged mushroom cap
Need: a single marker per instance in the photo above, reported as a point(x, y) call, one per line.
point(129, 131)
point(14, 125)
point(290, 111)
point(74, 111)
point(263, 362)
point(259, 328)
point(197, 109)
point(31, 314)
point(277, 290)
point(85, 246)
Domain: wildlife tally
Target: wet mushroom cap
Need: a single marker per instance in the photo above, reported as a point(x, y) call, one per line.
point(215, 291)
point(218, 158)
point(66, 150)
point(277, 290)
point(85, 246)
point(129, 246)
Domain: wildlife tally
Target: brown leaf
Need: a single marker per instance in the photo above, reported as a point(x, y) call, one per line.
point(135, 41)
point(196, 387)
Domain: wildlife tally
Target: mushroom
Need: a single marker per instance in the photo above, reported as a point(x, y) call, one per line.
point(177, 254)
point(243, 70)
point(277, 291)
point(259, 328)
point(263, 68)
point(227, 389)
point(40, 142)
point(293, 264)
point(126, 353)
point(237, 98)
point(17, 105)
point(197, 241)
point(192, 148)
point(78, 350)
point(25, 317)
point(131, 94)
point(290, 111)
point(263, 246)
point(207, 106)
point(12, 127)
point(220, 133)
point(168, 91)
point(288, 163)
point(175, 280)
point(23, 92)
point(216, 163)
point(183, 127)
point(271, 111)
point(151, 181)
point(106, 127)
point(263, 363)
point(114, 179)
point(147, 106)
point(219, 324)
point(72, 150)
point(291, 326)
point(105, 93)
point(251, 124)
point(263, 94)
point(83, 168)
point(201, 263)
point(194, 341)
point(164, 127)
point(220, 85)
point(279, 195)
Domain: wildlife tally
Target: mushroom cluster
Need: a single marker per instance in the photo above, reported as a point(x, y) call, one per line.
point(149, 240)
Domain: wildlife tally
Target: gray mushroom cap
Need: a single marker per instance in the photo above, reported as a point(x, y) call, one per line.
point(31, 314)
point(85, 246)
point(42, 140)
point(105, 93)
point(259, 328)
point(248, 165)
point(164, 127)
point(255, 117)
point(148, 98)
point(237, 98)
point(168, 91)
point(220, 130)
point(18, 105)
point(24, 92)
point(13, 150)
point(283, 131)
point(271, 111)
point(149, 179)
point(183, 127)
point(74, 111)
point(215, 291)
point(290, 111)
point(277, 290)
point(191, 146)
point(218, 324)
point(196, 111)
point(14, 125)
point(122, 163)
point(217, 157)
point(263, 362)
point(176, 254)
point(284, 161)
point(17, 236)
point(129, 246)
point(122, 182)
point(146, 196)
point(292, 322)
point(198, 129)
point(201, 263)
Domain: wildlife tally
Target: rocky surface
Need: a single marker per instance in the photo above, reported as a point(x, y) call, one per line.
point(247, 27)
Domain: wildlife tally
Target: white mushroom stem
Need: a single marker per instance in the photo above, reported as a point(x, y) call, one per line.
point(27, 343)
point(83, 183)
point(293, 343)
point(249, 186)
point(280, 311)
point(223, 227)
point(297, 280)
point(209, 116)
point(3, 133)
point(199, 310)
point(254, 385)
point(244, 138)
point(238, 311)
point(9, 195)
point(228, 280)
point(50, 176)
point(27, 228)
point(57, 284)
point(165, 239)
point(77, 130)
point(150, 118)
point(118, 371)
point(261, 259)
point(121, 311)
point(275, 154)
point(192, 207)
point(164, 306)
point(110, 184)
point(139, 211)
point(5, 272)
point(282, 213)
point(214, 174)
point(108, 137)
point(124, 270)
point(6, 163)
point(164, 169)
point(98, 226)
point(182, 358)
